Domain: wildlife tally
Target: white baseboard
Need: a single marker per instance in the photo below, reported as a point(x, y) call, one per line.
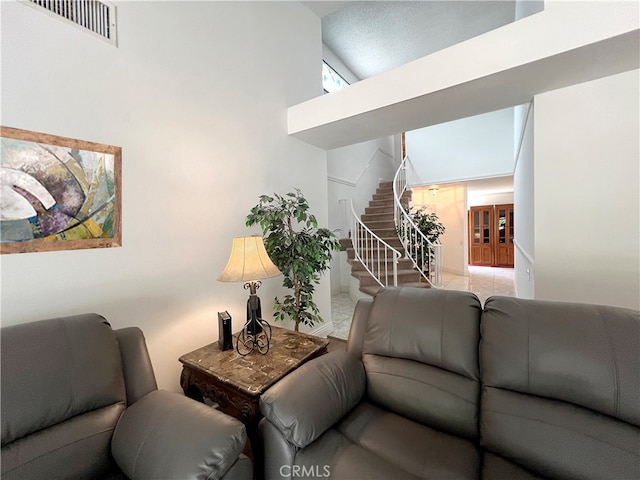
point(323, 330)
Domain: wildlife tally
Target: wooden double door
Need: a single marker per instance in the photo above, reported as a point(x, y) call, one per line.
point(491, 235)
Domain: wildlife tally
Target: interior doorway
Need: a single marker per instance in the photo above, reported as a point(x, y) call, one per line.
point(491, 235)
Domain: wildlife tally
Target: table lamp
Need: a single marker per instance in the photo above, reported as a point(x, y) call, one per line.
point(250, 263)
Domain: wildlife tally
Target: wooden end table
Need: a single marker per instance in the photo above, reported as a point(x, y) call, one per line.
point(235, 382)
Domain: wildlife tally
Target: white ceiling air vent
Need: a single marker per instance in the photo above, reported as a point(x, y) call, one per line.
point(97, 17)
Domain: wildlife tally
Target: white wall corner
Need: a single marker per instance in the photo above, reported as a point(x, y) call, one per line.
point(322, 330)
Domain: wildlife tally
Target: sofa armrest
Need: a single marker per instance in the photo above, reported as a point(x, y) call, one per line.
point(167, 435)
point(136, 365)
point(307, 402)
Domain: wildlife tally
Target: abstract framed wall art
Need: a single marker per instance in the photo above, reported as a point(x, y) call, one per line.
point(58, 193)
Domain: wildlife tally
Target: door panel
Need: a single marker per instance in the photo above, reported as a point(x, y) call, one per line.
point(481, 241)
point(504, 235)
point(491, 235)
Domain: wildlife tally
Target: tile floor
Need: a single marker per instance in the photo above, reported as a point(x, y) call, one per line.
point(483, 281)
point(341, 312)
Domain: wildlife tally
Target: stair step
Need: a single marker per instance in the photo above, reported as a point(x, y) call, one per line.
point(369, 281)
point(389, 189)
point(377, 224)
point(381, 204)
point(405, 277)
point(379, 210)
point(390, 240)
point(394, 242)
point(374, 289)
point(405, 272)
point(375, 217)
point(385, 232)
point(387, 193)
point(383, 197)
point(403, 264)
point(371, 290)
point(345, 243)
point(420, 284)
point(351, 255)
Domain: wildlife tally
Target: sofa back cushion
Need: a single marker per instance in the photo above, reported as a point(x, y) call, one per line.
point(561, 387)
point(62, 394)
point(420, 352)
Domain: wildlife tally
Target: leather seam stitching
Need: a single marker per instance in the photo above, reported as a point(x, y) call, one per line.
point(395, 375)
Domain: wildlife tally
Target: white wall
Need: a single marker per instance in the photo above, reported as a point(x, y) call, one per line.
point(474, 147)
point(524, 201)
point(587, 205)
point(450, 206)
point(497, 198)
point(196, 96)
point(354, 173)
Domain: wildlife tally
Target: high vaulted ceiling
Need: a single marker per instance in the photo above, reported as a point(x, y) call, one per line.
point(372, 37)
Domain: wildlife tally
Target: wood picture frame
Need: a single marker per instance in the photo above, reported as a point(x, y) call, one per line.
point(58, 193)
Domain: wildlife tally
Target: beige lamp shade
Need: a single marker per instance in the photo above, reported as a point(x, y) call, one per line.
point(248, 261)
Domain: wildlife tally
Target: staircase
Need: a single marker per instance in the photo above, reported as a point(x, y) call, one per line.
point(378, 217)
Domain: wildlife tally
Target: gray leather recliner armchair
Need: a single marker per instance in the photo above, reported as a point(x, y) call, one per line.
point(79, 400)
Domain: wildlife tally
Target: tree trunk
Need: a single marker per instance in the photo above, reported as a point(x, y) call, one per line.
point(296, 287)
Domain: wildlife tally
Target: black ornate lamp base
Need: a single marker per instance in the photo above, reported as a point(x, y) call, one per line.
point(256, 333)
point(247, 342)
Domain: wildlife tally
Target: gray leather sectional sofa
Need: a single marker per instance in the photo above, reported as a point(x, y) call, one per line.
point(79, 400)
point(433, 386)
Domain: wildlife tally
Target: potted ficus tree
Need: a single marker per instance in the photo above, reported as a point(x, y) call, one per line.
point(428, 223)
point(300, 249)
point(431, 227)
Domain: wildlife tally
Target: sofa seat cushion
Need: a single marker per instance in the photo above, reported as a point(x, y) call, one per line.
point(495, 467)
point(558, 439)
point(371, 442)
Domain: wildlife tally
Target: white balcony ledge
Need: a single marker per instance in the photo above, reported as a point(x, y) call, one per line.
point(566, 44)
